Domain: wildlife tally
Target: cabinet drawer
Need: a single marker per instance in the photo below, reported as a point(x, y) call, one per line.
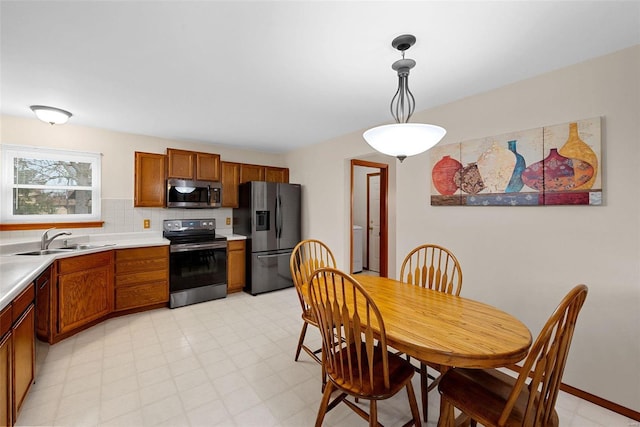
point(235, 245)
point(84, 262)
point(142, 265)
point(141, 277)
point(6, 320)
point(142, 253)
point(141, 295)
point(23, 301)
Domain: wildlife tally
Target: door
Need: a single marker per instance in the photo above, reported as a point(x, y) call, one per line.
point(263, 212)
point(288, 215)
point(270, 271)
point(373, 214)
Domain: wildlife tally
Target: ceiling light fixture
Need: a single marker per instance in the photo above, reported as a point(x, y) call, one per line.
point(403, 139)
point(51, 115)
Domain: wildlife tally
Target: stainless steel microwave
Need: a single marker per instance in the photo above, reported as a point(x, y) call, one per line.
point(193, 194)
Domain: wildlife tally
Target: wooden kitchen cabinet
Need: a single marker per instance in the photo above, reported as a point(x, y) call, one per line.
point(230, 183)
point(84, 289)
point(251, 173)
point(43, 304)
point(141, 277)
point(149, 181)
point(24, 343)
point(273, 174)
point(6, 372)
point(235, 265)
point(193, 165)
point(17, 354)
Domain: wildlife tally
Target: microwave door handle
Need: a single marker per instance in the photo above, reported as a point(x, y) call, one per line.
point(208, 195)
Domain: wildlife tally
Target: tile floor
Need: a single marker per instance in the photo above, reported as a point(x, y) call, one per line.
point(227, 362)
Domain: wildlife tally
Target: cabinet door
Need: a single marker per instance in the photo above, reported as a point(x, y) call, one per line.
point(207, 167)
point(43, 311)
point(230, 183)
point(84, 296)
point(181, 164)
point(6, 402)
point(251, 173)
point(273, 174)
point(150, 189)
point(235, 265)
point(23, 357)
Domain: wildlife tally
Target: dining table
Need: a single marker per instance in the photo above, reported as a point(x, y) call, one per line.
point(445, 329)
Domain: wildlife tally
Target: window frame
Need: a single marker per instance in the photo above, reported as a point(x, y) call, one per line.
point(10, 152)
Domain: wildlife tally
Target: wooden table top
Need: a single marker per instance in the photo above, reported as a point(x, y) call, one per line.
point(445, 329)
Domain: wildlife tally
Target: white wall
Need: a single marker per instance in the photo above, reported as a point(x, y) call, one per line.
point(523, 259)
point(118, 149)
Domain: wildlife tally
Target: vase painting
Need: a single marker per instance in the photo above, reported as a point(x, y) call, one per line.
point(551, 165)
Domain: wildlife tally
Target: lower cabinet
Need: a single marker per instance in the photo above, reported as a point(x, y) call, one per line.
point(235, 265)
point(6, 386)
point(85, 290)
point(142, 277)
point(23, 357)
point(17, 354)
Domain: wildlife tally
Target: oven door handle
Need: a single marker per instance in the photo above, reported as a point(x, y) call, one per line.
point(186, 247)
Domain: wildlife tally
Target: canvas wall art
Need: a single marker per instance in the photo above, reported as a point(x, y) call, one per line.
point(553, 165)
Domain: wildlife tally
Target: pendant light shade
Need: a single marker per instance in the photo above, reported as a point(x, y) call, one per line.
point(51, 115)
point(403, 139)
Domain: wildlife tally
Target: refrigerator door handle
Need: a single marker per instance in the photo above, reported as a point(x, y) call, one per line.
point(279, 217)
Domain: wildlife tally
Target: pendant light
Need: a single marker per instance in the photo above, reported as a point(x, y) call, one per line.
point(51, 115)
point(403, 139)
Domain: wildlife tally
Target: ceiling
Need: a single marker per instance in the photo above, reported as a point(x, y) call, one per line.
point(274, 76)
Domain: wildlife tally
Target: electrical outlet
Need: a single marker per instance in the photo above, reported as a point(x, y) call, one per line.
point(228, 221)
point(147, 223)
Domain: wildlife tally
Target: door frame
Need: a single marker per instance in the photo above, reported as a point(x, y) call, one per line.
point(384, 226)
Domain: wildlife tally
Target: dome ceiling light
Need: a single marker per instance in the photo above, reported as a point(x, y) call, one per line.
point(51, 115)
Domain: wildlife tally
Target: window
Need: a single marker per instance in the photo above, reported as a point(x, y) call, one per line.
point(45, 185)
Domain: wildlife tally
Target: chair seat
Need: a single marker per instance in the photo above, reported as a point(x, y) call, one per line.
point(400, 371)
point(485, 395)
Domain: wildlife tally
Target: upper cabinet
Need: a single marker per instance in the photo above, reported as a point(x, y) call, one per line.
point(149, 180)
point(273, 174)
point(251, 173)
point(234, 174)
point(193, 165)
point(230, 182)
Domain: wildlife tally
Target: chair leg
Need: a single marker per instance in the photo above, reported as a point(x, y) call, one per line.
point(328, 389)
point(373, 413)
point(301, 339)
point(413, 405)
point(446, 418)
point(424, 391)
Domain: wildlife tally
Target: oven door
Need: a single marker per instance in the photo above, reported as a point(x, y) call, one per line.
point(198, 272)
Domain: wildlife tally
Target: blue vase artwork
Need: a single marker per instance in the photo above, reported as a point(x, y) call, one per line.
point(515, 183)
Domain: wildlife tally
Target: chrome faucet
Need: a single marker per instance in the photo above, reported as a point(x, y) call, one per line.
point(46, 240)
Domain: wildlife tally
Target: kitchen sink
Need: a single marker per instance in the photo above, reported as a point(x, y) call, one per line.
point(46, 251)
point(77, 247)
point(66, 249)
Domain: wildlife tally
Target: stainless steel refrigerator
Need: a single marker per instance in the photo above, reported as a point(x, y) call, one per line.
point(269, 215)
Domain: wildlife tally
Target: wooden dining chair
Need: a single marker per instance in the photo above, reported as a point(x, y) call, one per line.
point(354, 344)
point(434, 267)
point(306, 257)
point(493, 398)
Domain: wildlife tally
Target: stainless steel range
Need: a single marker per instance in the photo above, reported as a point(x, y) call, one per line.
point(197, 261)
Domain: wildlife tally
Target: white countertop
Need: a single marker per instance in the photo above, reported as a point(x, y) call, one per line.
point(17, 271)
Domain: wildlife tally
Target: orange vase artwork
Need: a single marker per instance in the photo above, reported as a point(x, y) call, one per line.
point(576, 148)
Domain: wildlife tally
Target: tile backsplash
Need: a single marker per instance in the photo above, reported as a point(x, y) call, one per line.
point(120, 216)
